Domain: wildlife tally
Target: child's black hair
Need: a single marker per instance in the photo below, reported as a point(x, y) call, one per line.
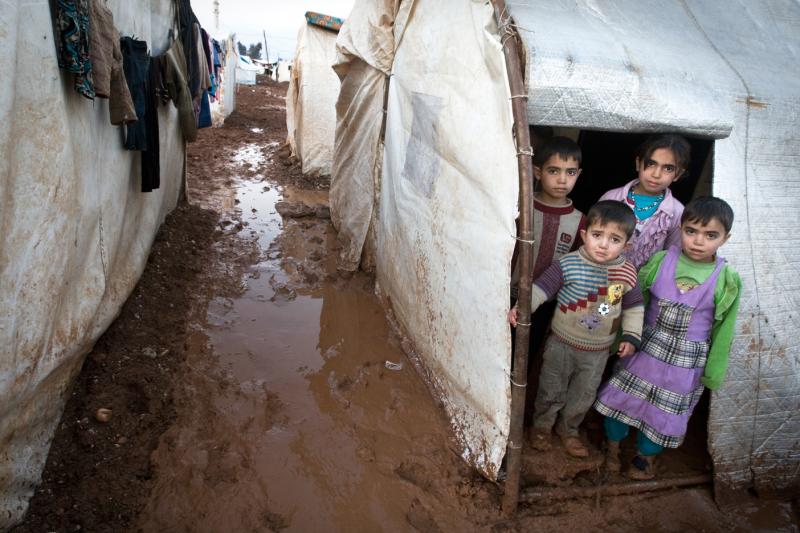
point(566, 148)
point(703, 209)
point(677, 144)
point(606, 211)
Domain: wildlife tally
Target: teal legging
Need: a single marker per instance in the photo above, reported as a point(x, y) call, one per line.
point(616, 431)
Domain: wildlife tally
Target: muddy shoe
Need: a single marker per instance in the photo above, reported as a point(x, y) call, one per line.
point(539, 440)
point(574, 447)
point(612, 457)
point(642, 468)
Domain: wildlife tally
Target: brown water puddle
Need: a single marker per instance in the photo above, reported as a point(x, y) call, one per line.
point(291, 417)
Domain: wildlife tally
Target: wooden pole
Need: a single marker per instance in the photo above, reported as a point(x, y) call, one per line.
point(519, 373)
point(552, 494)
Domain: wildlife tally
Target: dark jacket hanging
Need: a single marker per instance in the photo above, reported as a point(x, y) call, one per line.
point(135, 62)
point(186, 20)
point(151, 167)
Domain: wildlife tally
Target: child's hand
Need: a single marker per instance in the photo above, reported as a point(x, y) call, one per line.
point(512, 316)
point(626, 349)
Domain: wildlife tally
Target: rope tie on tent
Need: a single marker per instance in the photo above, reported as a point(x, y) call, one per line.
point(517, 96)
point(526, 241)
point(525, 151)
point(527, 325)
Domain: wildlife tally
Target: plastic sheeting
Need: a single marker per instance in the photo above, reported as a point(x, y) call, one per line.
point(76, 230)
point(311, 100)
point(365, 50)
point(713, 69)
point(704, 68)
point(246, 71)
point(446, 215)
point(283, 70)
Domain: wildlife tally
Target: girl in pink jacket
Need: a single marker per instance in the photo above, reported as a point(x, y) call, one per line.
point(661, 160)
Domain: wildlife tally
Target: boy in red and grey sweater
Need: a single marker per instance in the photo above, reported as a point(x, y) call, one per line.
point(556, 222)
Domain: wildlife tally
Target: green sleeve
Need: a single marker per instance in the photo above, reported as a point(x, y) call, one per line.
point(726, 299)
point(648, 273)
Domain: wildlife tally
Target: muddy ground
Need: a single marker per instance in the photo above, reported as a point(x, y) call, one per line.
point(249, 388)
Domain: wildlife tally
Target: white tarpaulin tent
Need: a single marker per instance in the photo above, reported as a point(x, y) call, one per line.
point(311, 99)
point(440, 202)
point(283, 70)
point(76, 228)
point(246, 71)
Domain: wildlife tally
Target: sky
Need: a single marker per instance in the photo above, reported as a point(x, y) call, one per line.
point(279, 18)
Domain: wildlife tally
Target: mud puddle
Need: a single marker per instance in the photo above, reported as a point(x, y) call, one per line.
point(292, 418)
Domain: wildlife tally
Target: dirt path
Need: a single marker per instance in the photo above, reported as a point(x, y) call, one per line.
point(250, 391)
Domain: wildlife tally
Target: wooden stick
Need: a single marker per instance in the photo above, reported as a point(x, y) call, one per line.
point(519, 374)
point(551, 494)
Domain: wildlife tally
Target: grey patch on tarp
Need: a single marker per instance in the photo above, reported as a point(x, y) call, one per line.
point(421, 166)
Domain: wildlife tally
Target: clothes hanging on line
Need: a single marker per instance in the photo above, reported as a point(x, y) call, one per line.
point(135, 62)
point(71, 19)
point(107, 70)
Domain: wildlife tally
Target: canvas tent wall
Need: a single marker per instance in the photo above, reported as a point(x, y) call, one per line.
point(311, 98)
point(711, 74)
point(76, 228)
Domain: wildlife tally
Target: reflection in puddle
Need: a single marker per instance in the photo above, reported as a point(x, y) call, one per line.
point(297, 410)
point(249, 155)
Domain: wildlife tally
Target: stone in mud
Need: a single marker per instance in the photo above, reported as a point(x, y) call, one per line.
point(301, 210)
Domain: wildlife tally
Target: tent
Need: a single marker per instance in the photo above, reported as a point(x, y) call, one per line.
point(310, 100)
point(77, 230)
point(246, 71)
point(225, 101)
point(428, 196)
point(283, 70)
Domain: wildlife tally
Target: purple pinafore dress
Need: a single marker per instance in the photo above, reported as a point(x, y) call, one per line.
point(656, 389)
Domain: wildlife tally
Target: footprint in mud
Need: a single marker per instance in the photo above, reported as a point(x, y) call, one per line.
point(415, 473)
point(421, 518)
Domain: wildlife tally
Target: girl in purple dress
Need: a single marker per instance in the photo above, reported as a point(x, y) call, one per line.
point(691, 301)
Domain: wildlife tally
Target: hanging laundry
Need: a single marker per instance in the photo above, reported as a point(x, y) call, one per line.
point(186, 22)
point(151, 167)
point(204, 118)
point(203, 70)
point(174, 75)
point(106, 58)
point(73, 43)
point(135, 63)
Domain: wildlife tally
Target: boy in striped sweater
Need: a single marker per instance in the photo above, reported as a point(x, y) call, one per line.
point(597, 296)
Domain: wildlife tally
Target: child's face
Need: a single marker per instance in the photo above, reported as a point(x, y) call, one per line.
point(558, 177)
point(700, 242)
point(604, 242)
point(658, 171)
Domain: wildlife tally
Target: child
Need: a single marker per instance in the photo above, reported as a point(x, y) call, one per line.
point(689, 324)
point(597, 294)
point(661, 161)
point(556, 222)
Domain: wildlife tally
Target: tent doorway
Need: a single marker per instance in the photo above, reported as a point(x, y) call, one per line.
point(608, 162)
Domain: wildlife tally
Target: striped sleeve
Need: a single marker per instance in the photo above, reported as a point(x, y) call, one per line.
point(547, 285)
